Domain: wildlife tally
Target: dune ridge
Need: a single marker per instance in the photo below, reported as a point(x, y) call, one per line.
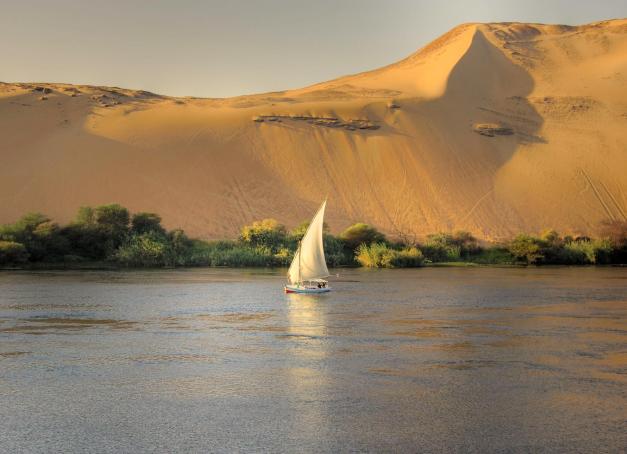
point(491, 128)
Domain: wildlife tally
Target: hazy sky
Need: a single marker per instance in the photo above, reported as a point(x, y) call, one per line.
point(232, 47)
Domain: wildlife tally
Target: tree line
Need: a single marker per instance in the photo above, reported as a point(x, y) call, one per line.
point(111, 234)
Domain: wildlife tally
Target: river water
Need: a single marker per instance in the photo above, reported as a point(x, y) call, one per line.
point(211, 360)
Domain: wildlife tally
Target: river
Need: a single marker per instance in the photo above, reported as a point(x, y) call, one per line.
point(220, 360)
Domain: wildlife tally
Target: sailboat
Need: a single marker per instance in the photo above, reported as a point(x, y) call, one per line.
point(309, 267)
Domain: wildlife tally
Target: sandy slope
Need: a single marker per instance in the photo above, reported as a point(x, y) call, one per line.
point(493, 128)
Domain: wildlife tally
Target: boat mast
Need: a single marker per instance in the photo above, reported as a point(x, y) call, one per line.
point(300, 243)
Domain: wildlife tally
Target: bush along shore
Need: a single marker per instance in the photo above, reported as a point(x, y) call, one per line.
point(110, 236)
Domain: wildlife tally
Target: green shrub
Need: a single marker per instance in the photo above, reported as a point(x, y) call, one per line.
point(114, 220)
point(153, 249)
point(494, 256)
point(200, 251)
point(336, 253)
point(440, 247)
point(453, 253)
point(244, 256)
point(85, 216)
point(372, 255)
point(603, 251)
point(616, 233)
point(108, 231)
point(552, 248)
point(41, 237)
point(23, 230)
point(446, 247)
point(551, 237)
point(434, 253)
point(87, 240)
point(576, 253)
point(146, 222)
point(467, 243)
point(585, 252)
point(267, 233)
point(146, 249)
point(234, 253)
point(98, 232)
point(283, 257)
point(526, 248)
point(12, 253)
point(361, 233)
point(407, 258)
point(379, 255)
point(179, 247)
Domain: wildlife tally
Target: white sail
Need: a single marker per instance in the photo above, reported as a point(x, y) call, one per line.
point(309, 262)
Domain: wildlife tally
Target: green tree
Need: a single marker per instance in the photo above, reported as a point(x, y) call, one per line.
point(146, 222)
point(97, 232)
point(41, 237)
point(268, 233)
point(468, 244)
point(409, 257)
point(179, 248)
point(335, 252)
point(12, 253)
point(443, 247)
point(113, 217)
point(86, 241)
point(526, 248)
point(146, 249)
point(48, 243)
point(551, 237)
point(85, 216)
point(113, 222)
point(616, 233)
point(23, 230)
point(361, 233)
point(551, 246)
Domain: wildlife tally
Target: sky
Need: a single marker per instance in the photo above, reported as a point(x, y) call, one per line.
point(234, 47)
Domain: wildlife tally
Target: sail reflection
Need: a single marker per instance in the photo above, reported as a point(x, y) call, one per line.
point(306, 316)
point(308, 384)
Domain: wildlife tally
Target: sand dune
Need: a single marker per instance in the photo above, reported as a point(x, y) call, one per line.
point(492, 128)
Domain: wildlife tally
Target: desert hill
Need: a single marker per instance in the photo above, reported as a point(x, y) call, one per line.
point(492, 128)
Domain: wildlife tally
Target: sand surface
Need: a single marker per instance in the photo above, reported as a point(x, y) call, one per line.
point(492, 128)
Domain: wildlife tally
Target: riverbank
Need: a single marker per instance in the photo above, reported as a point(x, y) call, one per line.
point(110, 237)
point(109, 266)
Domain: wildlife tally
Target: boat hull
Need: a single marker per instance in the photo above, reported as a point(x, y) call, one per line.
point(308, 290)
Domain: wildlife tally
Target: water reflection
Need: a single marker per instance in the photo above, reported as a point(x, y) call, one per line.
point(431, 360)
point(307, 380)
point(306, 315)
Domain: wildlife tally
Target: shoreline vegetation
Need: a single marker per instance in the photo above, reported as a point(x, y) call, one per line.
point(109, 236)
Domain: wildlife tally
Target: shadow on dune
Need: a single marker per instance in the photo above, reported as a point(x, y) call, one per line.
point(485, 89)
